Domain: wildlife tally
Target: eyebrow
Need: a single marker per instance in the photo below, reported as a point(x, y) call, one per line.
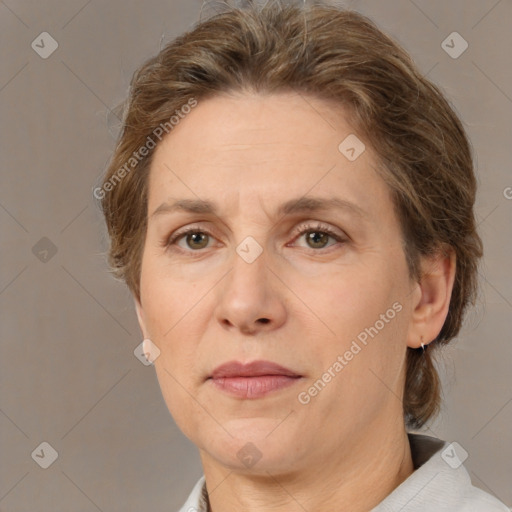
point(293, 206)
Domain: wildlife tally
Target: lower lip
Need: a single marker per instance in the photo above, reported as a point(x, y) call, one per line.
point(253, 387)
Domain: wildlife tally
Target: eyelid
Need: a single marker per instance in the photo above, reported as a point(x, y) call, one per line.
point(320, 226)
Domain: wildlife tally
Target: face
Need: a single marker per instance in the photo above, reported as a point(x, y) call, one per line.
point(322, 290)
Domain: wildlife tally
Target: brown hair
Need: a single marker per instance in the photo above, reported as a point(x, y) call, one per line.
point(336, 55)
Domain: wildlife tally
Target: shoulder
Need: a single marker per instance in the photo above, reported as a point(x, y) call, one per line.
point(476, 500)
point(440, 483)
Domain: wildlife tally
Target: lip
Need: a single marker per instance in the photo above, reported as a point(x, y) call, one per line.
point(252, 380)
point(253, 369)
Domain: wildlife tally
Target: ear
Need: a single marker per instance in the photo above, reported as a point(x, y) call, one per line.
point(140, 317)
point(433, 298)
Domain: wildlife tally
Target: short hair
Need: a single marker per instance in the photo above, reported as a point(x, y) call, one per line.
point(334, 54)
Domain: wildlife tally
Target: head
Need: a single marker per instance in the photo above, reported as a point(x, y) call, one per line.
point(252, 109)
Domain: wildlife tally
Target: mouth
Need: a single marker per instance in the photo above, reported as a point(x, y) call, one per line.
point(252, 380)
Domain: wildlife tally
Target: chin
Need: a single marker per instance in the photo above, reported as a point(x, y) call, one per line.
point(256, 448)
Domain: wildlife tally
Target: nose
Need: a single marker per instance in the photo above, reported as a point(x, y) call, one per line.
point(251, 297)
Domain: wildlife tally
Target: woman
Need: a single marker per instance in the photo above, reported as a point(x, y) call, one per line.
point(291, 205)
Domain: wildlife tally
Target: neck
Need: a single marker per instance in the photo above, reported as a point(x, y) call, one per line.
point(357, 480)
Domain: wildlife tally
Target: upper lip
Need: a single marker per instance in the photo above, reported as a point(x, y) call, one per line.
point(253, 369)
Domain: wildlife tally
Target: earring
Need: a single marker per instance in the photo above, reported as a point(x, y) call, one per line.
point(422, 344)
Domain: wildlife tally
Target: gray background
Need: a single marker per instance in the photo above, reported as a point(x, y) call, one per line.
point(69, 376)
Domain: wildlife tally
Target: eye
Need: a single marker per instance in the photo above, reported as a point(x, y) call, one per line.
point(317, 236)
point(194, 238)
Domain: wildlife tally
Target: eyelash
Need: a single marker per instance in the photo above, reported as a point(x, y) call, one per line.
point(302, 230)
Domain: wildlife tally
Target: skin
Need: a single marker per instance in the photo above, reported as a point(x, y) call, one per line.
point(346, 449)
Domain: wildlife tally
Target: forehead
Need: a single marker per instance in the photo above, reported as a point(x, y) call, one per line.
point(230, 124)
point(263, 149)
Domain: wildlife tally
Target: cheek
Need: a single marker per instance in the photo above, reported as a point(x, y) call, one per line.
point(172, 322)
point(168, 297)
point(363, 320)
point(188, 414)
point(347, 300)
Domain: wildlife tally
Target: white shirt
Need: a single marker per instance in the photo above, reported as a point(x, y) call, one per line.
point(440, 483)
